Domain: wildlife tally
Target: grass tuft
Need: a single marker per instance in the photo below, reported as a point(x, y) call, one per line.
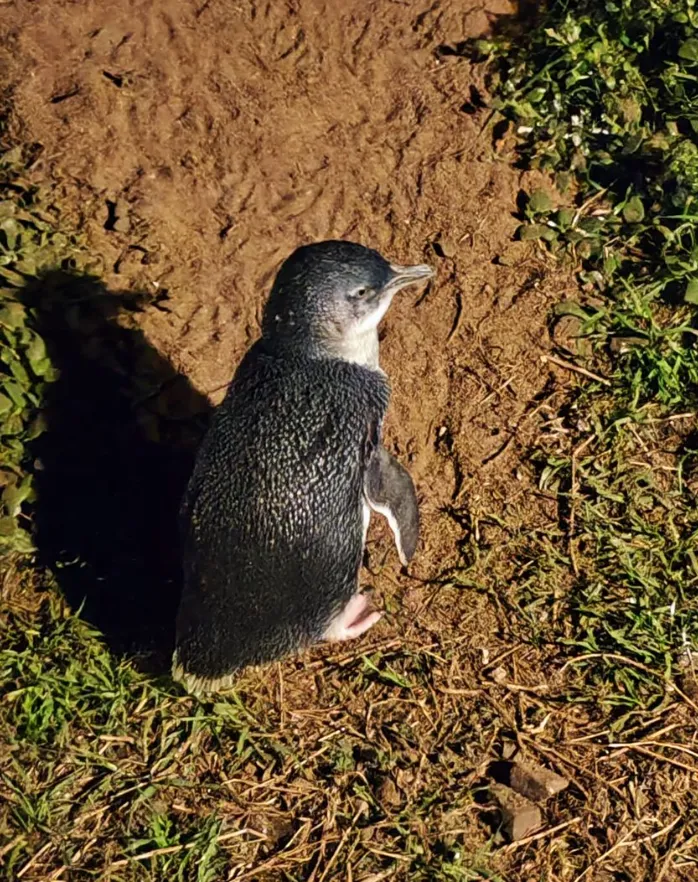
point(30, 245)
point(604, 96)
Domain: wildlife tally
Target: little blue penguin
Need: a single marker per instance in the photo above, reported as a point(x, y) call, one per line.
point(275, 516)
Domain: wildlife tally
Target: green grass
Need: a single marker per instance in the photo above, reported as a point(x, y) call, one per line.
point(29, 245)
point(604, 96)
point(112, 771)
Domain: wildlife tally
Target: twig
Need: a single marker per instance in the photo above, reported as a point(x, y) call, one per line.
point(468, 693)
point(498, 659)
point(665, 759)
point(10, 845)
point(500, 451)
point(490, 395)
point(583, 739)
point(683, 695)
point(665, 864)
point(542, 835)
point(457, 320)
point(622, 843)
point(671, 745)
point(672, 418)
point(335, 854)
point(604, 732)
point(256, 872)
point(79, 854)
point(560, 362)
point(626, 842)
point(590, 201)
point(33, 859)
point(639, 439)
point(389, 854)
point(378, 877)
point(525, 416)
point(573, 495)
point(533, 690)
point(613, 656)
point(687, 843)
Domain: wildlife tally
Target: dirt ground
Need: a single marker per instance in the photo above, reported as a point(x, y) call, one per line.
point(196, 143)
point(200, 143)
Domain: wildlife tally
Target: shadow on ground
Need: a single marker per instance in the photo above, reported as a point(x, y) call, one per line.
point(524, 17)
point(122, 430)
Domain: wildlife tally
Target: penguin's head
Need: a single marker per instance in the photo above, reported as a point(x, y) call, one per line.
point(334, 293)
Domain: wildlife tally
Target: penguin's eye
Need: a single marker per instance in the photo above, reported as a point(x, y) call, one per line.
point(360, 293)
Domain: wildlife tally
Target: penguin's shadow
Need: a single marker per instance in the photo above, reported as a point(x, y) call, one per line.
point(122, 431)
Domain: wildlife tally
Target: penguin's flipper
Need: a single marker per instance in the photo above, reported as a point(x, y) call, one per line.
point(389, 490)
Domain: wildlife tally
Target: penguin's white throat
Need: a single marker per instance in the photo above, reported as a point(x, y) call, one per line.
point(360, 348)
point(358, 343)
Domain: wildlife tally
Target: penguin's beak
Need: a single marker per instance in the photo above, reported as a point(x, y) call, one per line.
point(407, 275)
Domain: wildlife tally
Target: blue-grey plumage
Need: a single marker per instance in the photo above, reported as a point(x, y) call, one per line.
point(274, 518)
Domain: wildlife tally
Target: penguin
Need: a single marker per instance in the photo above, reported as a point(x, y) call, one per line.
point(275, 516)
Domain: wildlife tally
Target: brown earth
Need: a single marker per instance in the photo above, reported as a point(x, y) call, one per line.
point(212, 139)
point(195, 144)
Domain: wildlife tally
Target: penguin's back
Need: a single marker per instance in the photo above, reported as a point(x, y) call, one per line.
point(272, 520)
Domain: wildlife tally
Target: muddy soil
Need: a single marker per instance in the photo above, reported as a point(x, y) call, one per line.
point(195, 144)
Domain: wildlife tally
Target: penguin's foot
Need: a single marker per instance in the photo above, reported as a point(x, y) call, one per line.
point(356, 618)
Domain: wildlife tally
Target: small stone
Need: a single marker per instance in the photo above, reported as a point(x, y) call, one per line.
point(499, 675)
point(509, 749)
point(388, 793)
point(405, 778)
point(274, 827)
point(566, 335)
point(448, 246)
point(689, 685)
point(621, 345)
point(520, 817)
point(506, 297)
point(366, 834)
point(536, 783)
point(514, 254)
point(688, 678)
point(122, 224)
point(594, 302)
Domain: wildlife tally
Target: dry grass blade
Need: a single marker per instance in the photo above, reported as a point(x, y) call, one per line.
point(568, 366)
point(544, 834)
point(627, 842)
point(187, 846)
